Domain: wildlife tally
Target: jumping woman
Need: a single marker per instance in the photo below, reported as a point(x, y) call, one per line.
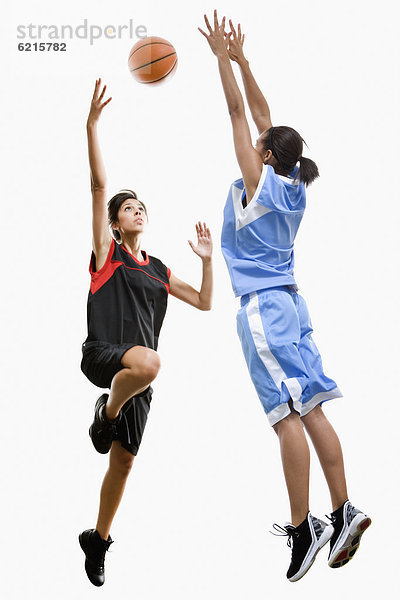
point(126, 307)
point(261, 218)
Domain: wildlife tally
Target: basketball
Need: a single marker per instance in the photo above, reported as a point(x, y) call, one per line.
point(152, 60)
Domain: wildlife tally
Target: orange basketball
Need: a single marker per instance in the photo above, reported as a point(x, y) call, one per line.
point(152, 60)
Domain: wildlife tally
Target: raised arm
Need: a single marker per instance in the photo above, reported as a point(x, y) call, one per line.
point(182, 290)
point(98, 180)
point(257, 103)
point(249, 160)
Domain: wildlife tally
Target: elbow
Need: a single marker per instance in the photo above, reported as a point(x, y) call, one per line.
point(204, 306)
point(236, 111)
point(236, 108)
point(98, 187)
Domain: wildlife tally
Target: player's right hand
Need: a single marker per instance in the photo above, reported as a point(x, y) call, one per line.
point(97, 104)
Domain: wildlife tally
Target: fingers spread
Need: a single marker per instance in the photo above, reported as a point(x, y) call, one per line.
point(106, 102)
point(95, 88)
point(207, 23)
point(102, 93)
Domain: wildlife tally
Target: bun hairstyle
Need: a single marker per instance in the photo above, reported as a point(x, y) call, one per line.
point(286, 146)
point(115, 204)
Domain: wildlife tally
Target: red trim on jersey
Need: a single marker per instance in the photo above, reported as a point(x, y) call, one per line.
point(99, 278)
point(169, 273)
point(152, 277)
point(98, 282)
point(109, 255)
point(145, 262)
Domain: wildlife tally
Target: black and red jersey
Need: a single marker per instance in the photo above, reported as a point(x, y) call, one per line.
point(127, 298)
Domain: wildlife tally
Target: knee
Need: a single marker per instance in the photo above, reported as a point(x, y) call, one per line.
point(150, 366)
point(123, 464)
point(142, 362)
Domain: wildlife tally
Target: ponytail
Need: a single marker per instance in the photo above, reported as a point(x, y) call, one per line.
point(308, 170)
point(286, 145)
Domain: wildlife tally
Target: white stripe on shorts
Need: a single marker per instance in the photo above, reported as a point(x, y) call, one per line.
point(271, 364)
point(319, 398)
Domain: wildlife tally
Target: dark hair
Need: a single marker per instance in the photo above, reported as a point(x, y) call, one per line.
point(287, 147)
point(115, 204)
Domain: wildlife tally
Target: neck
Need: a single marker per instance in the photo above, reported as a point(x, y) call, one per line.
point(278, 170)
point(132, 244)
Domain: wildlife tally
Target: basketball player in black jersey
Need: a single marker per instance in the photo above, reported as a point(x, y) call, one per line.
point(126, 307)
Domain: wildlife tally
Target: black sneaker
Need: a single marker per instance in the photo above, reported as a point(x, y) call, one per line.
point(102, 431)
point(95, 549)
point(349, 524)
point(306, 541)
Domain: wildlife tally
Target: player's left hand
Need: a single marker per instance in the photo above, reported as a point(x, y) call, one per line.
point(204, 242)
point(235, 48)
point(217, 40)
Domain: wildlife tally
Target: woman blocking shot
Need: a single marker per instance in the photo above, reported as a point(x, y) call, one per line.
point(261, 219)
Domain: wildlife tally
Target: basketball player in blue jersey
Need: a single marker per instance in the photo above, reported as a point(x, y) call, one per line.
point(126, 307)
point(261, 218)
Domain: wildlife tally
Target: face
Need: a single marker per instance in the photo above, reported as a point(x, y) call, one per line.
point(132, 217)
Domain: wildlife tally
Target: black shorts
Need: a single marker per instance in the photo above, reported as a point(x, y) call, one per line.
point(133, 420)
point(100, 362)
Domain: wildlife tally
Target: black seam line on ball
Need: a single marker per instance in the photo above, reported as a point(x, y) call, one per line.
point(151, 62)
point(166, 74)
point(149, 44)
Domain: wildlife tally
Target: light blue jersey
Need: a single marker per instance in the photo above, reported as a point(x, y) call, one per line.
point(257, 241)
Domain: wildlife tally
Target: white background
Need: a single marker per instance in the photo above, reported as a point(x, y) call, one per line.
point(207, 484)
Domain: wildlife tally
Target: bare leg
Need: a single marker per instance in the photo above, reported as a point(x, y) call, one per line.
point(141, 366)
point(113, 487)
point(295, 455)
point(329, 451)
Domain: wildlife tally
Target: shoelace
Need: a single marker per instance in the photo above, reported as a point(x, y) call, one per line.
point(351, 512)
point(102, 553)
point(285, 531)
point(331, 518)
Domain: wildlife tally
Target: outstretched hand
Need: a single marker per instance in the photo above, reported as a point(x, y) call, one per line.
point(235, 40)
point(204, 242)
point(97, 104)
point(217, 40)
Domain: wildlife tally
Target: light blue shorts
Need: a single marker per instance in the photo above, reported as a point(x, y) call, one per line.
point(274, 327)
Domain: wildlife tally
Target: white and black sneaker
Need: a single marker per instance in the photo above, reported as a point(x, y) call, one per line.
point(306, 541)
point(349, 524)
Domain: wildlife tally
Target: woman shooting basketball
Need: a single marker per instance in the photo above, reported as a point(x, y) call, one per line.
point(262, 215)
point(126, 307)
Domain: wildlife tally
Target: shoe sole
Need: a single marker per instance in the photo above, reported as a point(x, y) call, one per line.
point(94, 582)
point(324, 539)
point(350, 545)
